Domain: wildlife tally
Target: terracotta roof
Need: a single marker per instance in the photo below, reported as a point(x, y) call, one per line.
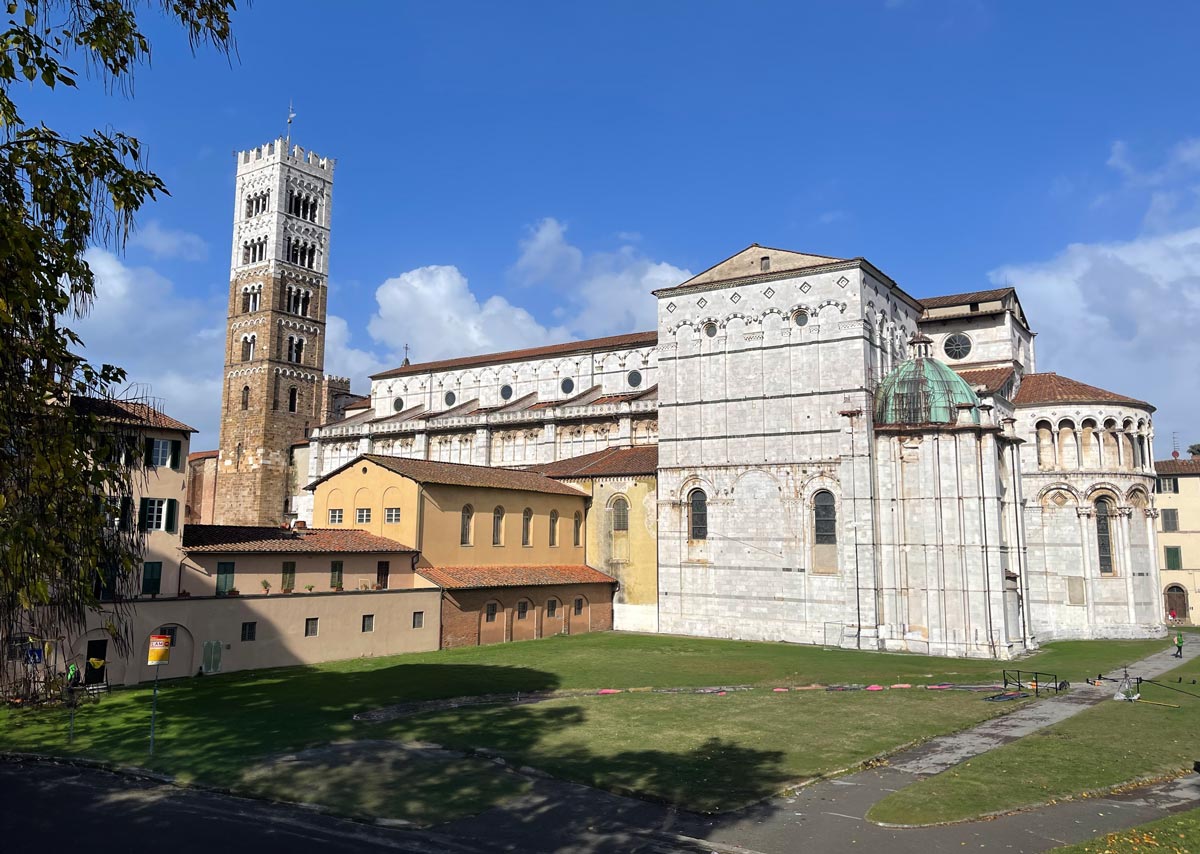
point(638, 459)
point(1185, 467)
point(967, 298)
point(270, 540)
point(128, 412)
point(992, 379)
point(1051, 388)
point(512, 576)
point(612, 342)
point(203, 455)
point(358, 402)
point(458, 474)
point(626, 396)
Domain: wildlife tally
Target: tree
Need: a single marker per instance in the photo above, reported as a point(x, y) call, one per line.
point(1194, 450)
point(67, 472)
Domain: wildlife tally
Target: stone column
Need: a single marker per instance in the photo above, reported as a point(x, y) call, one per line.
point(1089, 579)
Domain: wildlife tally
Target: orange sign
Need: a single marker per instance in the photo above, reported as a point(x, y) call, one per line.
point(160, 649)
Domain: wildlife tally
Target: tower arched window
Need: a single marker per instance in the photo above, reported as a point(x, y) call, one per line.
point(304, 303)
point(527, 527)
point(1104, 512)
point(468, 516)
point(248, 343)
point(697, 515)
point(245, 397)
point(578, 539)
point(824, 519)
point(245, 302)
point(620, 515)
point(293, 396)
point(498, 526)
point(553, 528)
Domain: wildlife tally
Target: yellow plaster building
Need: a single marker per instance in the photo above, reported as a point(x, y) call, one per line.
point(1178, 503)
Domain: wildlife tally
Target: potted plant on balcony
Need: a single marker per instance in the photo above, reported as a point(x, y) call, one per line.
point(309, 587)
point(266, 586)
point(286, 590)
point(338, 588)
point(233, 591)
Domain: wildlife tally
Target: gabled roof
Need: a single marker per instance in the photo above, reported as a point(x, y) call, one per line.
point(128, 412)
point(264, 539)
point(748, 262)
point(465, 577)
point(196, 456)
point(1178, 467)
point(991, 379)
point(626, 397)
point(1051, 388)
point(458, 474)
point(967, 298)
point(612, 342)
point(612, 462)
point(1007, 296)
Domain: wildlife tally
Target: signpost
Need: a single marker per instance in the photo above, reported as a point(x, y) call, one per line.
point(159, 654)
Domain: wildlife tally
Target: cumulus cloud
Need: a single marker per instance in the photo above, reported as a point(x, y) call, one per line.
point(166, 243)
point(1121, 316)
point(343, 360)
point(171, 347)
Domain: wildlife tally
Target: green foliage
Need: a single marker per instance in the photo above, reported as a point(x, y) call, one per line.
point(62, 465)
point(1194, 449)
point(1178, 834)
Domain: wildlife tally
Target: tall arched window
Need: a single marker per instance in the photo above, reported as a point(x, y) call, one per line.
point(620, 515)
point(553, 528)
point(526, 527)
point(498, 526)
point(1104, 508)
point(468, 515)
point(824, 519)
point(578, 540)
point(293, 396)
point(245, 397)
point(697, 515)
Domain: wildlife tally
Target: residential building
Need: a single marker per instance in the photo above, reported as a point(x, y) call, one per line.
point(1178, 504)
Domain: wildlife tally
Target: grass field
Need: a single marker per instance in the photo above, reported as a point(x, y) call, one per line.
point(1178, 834)
point(215, 729)
point(1099, 748)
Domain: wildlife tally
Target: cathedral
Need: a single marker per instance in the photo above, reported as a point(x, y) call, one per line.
point(804, 451)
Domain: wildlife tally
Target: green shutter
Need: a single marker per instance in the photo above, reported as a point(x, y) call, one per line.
point(148, 456)
point(176, 448)
point(143, 512)
point(1174, 557)
point(126, 521)
point(172, 511)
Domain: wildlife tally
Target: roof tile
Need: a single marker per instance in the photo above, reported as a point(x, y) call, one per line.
point(967, 298)
point(458, 474)
point(128, 412)
point(612, 462)
point(463, 577)
point(1051, 388)
point(265, 539)
point(1176, 467)
point(992, 379)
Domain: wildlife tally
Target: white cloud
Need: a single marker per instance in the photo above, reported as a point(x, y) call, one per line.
point(342, 360)
point(1121, 316)
point(169, 242)
point(546, 256)
point(168, 343)
point(830, 217)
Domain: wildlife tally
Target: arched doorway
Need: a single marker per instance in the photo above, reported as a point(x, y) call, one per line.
point(553, 618)
point(1177, 601)
point(524, 621)
point(580, 617)
point(491, 623)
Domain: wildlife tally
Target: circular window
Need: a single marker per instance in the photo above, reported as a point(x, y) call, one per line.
point(957, 346)
point(635, 379)
point(450, 398)
point(800, 318)
point(505, 392)
point(398, 404)
point(710, 329)
point(568, 386)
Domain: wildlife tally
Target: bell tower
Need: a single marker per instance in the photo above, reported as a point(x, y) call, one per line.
point(275, 332)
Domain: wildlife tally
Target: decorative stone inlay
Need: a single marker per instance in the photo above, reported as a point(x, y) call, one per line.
point(702, 302)
point(843, 281)
point(670, 306)
point(735, 299)
point(769, 292)
point(805, 288)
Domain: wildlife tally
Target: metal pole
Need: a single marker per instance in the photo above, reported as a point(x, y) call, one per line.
point(154, 709)
point(71, 732)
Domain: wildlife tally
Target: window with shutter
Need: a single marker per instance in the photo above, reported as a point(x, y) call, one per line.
point(152, 578)
point(1174, 556)
point(225, 571)
point(1170, 520)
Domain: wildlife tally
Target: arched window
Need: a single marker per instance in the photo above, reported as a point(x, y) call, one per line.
point(1104, 508)
point(697, 515)
point(293, 395)
point(553, 528)
point(824, 519)
point(578, 540)
point(498, 526)
point(248, 348)
point(526, 527)
point(245, 397)
point(468, 516)
point(620, 515)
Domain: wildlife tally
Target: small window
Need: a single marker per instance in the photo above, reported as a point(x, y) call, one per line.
point(450, 398)
point(171, 631)
point(710, 330)
point(152, 578)
point(310, 627)
point(1174, 555)
point(368, 623)
point(551, 608)
point(498, 526)
point(1104, 548)
point(764, 264)
point(288, 581)
point(578, 538)
point(568, 386)
point(489, 613)
point(154, 514)
point(362, 515)
point(553, 528)
point(335, 574)
point(1170, 520)
point(824, 519)
point(506, 392)
point(468, 516)
point(522, 610)
point(249, 631)
point(398, 404)
point(578, 606)
point(160, 452)
point(335, 516)
point(957, 346)
point(1167, 485)
point(245, 397)
point(391, 516)
point(293, 399)
point(620, 515)
point(800, 318)
point(418, 620)
point(226, 572)
point(697, 515)
point(527, 527)
point(634, 379)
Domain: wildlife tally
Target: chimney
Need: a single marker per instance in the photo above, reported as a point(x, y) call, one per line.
point(964, 414)
point(299, 525)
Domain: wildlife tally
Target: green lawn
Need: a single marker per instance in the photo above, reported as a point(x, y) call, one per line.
point(1097, 749)
point(1178, 834)
point(213, 729)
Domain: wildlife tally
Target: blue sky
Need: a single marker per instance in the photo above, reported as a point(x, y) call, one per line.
point(516, 173)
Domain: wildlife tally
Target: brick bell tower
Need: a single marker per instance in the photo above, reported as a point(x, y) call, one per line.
point(275, 333)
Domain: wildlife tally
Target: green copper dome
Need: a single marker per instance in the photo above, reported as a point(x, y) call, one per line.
point(923, 390)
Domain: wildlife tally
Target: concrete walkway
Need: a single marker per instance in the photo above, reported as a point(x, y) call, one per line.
point(829, 816)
